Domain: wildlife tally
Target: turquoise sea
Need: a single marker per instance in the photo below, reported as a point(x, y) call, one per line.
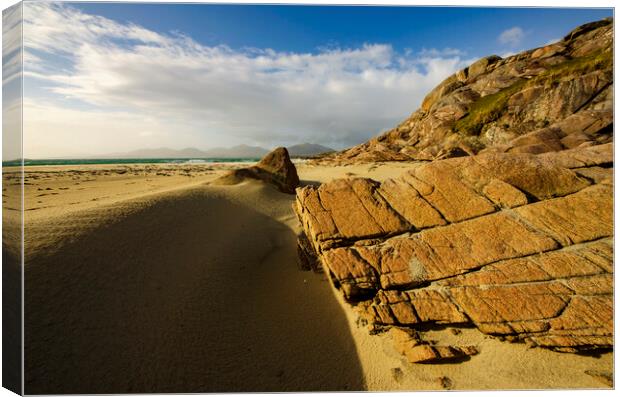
point(31, 162)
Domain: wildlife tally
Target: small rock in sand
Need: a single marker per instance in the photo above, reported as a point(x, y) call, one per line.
point(397, 374)
point(445, 383)
point(604, 377)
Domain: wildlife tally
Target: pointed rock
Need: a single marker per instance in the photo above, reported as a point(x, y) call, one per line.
point(275, 168)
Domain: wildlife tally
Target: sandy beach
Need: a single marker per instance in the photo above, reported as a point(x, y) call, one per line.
point(147, 278)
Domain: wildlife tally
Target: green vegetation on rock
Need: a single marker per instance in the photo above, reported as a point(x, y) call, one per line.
point(490, 107)
point(575, 67)
point(486, 109)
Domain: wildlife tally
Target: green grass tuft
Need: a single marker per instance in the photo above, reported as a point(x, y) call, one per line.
point(486, 110)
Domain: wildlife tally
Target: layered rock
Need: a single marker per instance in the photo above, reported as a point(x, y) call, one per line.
point(546, 99)
point(275, 168)
point(516, 244)
point(409, 343)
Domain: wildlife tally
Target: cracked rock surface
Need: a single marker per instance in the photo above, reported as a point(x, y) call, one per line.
point(518, 245)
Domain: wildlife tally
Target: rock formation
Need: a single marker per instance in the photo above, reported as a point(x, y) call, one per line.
point(275, 168)
point(519, 245)
point(551, 98)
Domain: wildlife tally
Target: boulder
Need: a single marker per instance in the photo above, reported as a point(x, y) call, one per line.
point(275, 168)
point(580, 30)
point(480, 66)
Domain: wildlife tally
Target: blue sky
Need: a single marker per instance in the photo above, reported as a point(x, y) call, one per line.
point(305, 28)
point(113, 77)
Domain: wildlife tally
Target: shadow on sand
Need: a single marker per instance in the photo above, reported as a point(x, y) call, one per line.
point(191, 294)
point(11, 321)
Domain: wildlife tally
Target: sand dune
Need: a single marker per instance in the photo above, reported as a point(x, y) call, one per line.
point(194, 292)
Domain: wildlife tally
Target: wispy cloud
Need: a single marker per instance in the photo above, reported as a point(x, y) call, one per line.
point(11, 44)
point(185, 93)
point(11, 82)
point(510, 53)
point(553, 41)
point(446, 52)
point(512, 36)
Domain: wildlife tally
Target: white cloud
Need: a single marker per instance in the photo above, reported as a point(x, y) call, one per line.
point(11, 82)
point(56, 131)
point(186, 94)
point(433, 52)
point(552, 41)
point(512, 36)
point(511, 53)
point(11, 128)
point(11, 43)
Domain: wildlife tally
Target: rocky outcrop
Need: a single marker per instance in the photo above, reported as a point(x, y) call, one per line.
point(551, 98)
point(275, 168)
point(516, 244)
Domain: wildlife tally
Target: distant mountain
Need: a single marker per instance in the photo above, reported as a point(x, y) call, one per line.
point(308, 149)
point(160, 153)
point(240, 151)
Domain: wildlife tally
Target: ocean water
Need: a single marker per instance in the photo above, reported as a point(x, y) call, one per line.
point(31, 162)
